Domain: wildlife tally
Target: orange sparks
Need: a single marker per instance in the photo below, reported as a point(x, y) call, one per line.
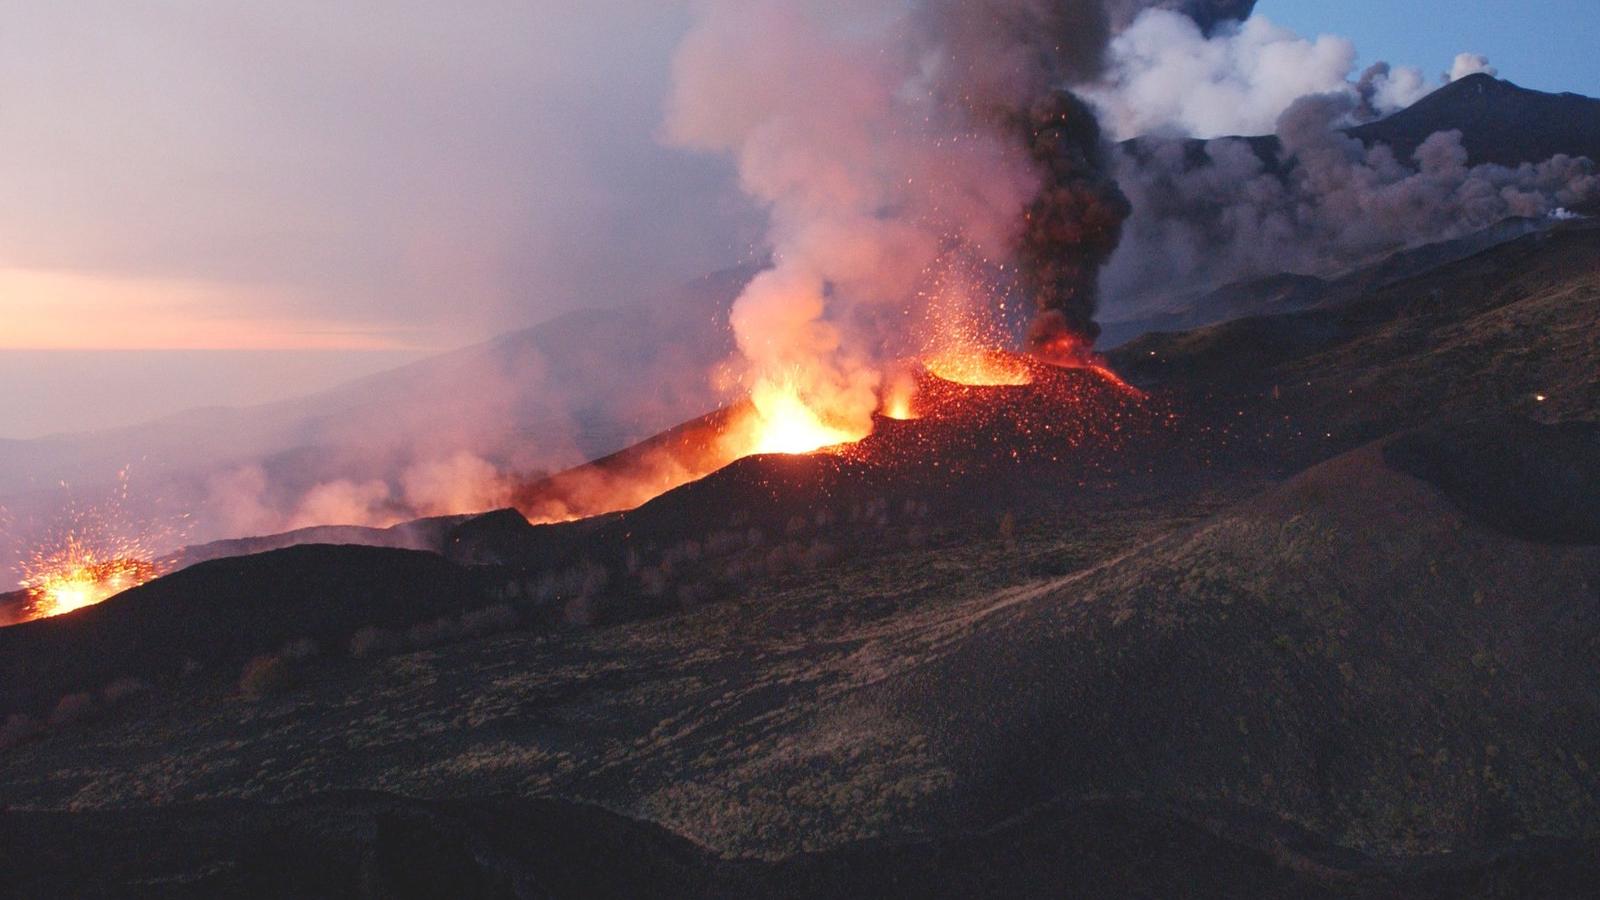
point(899, 397)
point(960, 345)
point(77, 577)
point(96, 553)
point(979, 367)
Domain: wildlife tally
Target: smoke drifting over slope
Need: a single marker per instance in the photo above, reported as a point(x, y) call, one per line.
point(1329, 203)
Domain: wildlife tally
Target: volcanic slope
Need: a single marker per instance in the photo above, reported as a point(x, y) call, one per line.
point(1334, 600)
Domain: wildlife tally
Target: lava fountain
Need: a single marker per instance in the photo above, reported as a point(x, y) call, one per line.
point(779, 421)
point(77, 576)
point(97, 554)
point(979, 367)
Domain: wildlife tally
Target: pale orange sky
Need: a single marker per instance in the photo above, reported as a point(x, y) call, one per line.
point(300, 175)
point(231, 203)
point(44, 310)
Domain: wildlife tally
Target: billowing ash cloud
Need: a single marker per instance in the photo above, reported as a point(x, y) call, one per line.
point(1320, 201)
point(1225, 215)
point(887, 138)
point(1008, 63)
point(1073, 225)
point(1383, 88)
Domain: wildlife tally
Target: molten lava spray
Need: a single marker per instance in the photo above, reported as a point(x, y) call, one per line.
point(77, 576)
point(94, 553)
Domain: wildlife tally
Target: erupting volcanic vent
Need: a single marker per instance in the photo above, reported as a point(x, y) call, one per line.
point(99, 552)
point(908, 154)
point(955, 412)
point(923, 165)
point(1040, 413)
point(79, 577)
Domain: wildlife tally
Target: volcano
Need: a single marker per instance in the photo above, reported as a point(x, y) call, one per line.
point(1307, 607)
point(997, 410)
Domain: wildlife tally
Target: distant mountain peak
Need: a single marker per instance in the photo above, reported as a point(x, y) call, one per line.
point(1500, 122)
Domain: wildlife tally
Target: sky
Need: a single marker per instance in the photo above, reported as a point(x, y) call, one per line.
point(1547, 45)
point(211, 203)
point(370, 180)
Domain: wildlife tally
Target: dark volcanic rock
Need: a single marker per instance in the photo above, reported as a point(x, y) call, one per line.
point(1539, 483)
point(1484, 336)
point(371, 845)
point(223, 612)
point(489, 539)
point(1116, 663)
point(1346, 650)
point(1499, 123)
point(422, 534)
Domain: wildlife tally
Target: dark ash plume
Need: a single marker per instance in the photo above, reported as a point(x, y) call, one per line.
point(1324, 203)
point(1208, 14)
point(1001, 55)
point(1011, 63)
point(1074, 224)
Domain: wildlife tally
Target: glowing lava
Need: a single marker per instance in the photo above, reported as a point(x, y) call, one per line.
point(979, 367)
point(77, 576)
point(95, 553)
point(955, 397)
point(781, 422)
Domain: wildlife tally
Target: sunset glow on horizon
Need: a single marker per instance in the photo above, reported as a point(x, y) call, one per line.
point(45, 310)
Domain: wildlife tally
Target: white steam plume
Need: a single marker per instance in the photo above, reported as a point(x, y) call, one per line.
point(1470, 64)
point(1165, 76)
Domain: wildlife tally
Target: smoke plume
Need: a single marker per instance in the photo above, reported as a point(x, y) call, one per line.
point(1166, 76)
point(887, 140)
point(1224, 214)
point(1073, 225)
point(1316, 201)
point(1470, 64)
point(1208, 15)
